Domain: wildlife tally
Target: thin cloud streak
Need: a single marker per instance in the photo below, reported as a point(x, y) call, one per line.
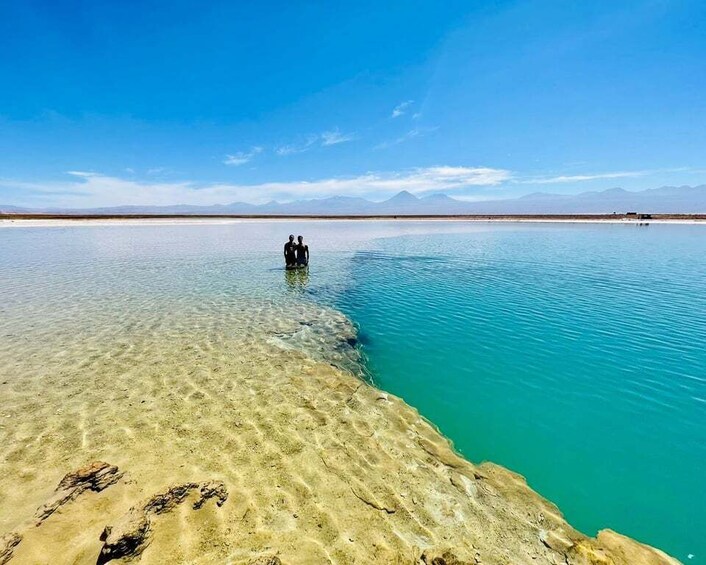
point(411, 134)
point(284, 150)
point(335, 137)
point(401, 108)
point(242, 157)
point(325, 139)
point(580, 178)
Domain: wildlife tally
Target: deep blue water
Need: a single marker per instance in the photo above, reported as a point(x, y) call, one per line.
point(572, 354)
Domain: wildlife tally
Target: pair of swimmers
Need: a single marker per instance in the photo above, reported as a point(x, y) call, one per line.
point(296, 254)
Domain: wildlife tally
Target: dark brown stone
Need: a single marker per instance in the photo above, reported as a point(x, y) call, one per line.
point(267, 560)
point(131, 535)
point(8, 543)
point(212, 489)
point(94, 477)
point(445, 557)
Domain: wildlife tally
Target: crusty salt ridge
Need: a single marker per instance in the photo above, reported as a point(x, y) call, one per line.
point(319, 466)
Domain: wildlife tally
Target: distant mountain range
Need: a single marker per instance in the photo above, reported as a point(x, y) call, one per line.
point(664, 200)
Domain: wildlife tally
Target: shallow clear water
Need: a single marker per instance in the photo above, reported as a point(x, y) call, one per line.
point(573, 354)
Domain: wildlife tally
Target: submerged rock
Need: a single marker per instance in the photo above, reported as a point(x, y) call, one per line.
point(166, 501)
point(266, 560)
point(95, 477)
point(131, 534)
point(323, 334)
point(128, 537)
point(8, 543)
point(213, 489)
point(445, 557)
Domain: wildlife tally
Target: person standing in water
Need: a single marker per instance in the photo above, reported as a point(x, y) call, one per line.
point(290, 259)
point(302, 252)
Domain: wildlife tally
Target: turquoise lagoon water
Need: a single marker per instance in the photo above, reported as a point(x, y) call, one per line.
point(572, 354)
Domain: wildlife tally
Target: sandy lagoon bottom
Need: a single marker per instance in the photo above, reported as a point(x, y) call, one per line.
point(265, 399)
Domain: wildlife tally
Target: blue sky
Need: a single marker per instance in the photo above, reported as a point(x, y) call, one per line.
point(108, 103)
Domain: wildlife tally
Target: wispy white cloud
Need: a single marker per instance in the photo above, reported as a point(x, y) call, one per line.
point(443, 178)
point(334, 137)
point(284, 150)
point(579, 178)
point(401, 108)
point(411, 134)
point(88, 189)
point(325, 139)
point(242, 157)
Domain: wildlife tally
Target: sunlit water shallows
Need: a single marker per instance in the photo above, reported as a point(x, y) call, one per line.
point(573, 354)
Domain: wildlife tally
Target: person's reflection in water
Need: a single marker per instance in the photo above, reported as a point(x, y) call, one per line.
point(297, 279)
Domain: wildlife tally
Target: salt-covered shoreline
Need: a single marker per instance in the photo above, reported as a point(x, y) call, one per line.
point(66, 222)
